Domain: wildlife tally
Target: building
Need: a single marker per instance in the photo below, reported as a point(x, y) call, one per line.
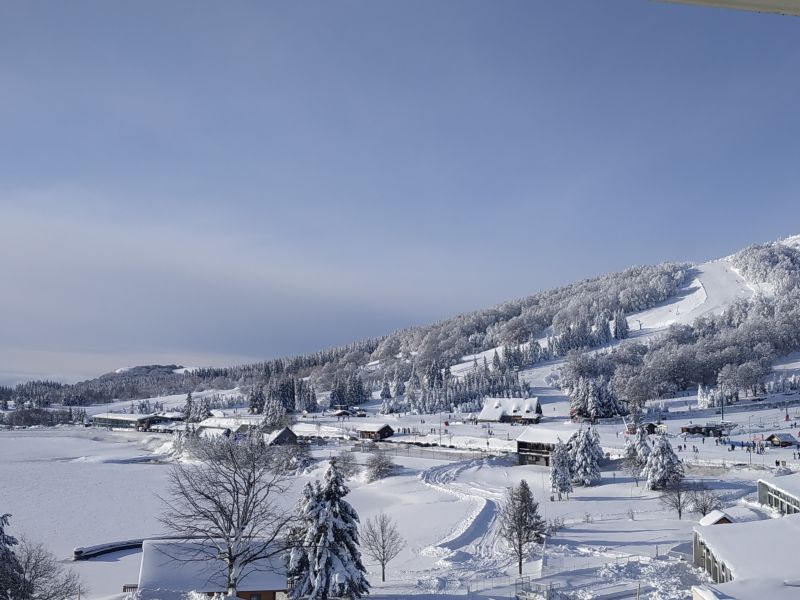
point(124, 421)
point(781, 440)
point(168, 422)
point(374, 431)
point(172, 568)
point(511, 410)
point(280, 437)
point(748, 561)
point(227, 426)
point(716, 517)
point(535, 444)
point(781, 493)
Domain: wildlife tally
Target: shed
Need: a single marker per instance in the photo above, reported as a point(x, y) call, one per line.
point(374, 431)
point(782, 440)
point(511, 410)
point(172, 568)
point(280, 437)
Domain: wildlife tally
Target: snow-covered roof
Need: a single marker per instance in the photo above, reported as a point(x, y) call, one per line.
point(122, 416)
point(269, 438)
point(496, 408)
point(789, 484)
point(172, 415)
point(783, 437)
point(756, 550)
point(769, 588)
point(372, 427)
point(714, 517)
point(545, 435)
point(170, 569)
point(232, 423)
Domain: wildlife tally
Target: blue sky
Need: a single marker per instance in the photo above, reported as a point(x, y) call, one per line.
point(204, 182)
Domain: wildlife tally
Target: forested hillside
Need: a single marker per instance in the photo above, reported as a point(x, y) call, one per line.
point(415, 360)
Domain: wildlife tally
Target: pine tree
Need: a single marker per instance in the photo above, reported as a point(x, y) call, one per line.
point(642, 446)
point(621, 328)
point(274, 414)
point(255, 400)
point(385, 391)
point(586, 453)
point(327, 563)
point(663, 465)
point(11, 580)
point(520, 522)
point(560, 470)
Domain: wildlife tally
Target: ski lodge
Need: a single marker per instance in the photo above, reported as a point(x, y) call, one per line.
point(535, 444)
point(171, 569)
point(781, 440)
point(510, 410)
point(374, 431)
point(748, 561)
point(227, 426)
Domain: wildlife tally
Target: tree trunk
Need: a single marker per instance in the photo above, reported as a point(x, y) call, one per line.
point(520, 565)
point(383, 573)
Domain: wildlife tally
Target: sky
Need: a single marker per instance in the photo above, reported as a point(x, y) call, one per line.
point(207, 183)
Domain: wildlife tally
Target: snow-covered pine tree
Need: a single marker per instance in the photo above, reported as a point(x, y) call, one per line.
point(255, 400)
point(621, 328)
point(663, 466)
point(385, 391)
point(585, 458)
point(642, 446)
point(11, 580)
point(560, 470)
point(331, 567)
point(274, 414)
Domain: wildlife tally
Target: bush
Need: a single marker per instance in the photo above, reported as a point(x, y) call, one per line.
point(380, 466)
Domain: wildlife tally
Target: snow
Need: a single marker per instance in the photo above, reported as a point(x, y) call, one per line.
point(370, 427)
point(170, 569)
point(122, 416)
point(790, 484)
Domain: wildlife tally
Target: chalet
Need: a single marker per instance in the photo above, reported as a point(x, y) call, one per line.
point(781, 440)
point(748, 561)
point(374, 431)
point(511, 410)
point(172, 568)
point(227, 426)
point(709, 429)
point(280, 437)
point(535, 444)
point(781, 493)
point(124, 421)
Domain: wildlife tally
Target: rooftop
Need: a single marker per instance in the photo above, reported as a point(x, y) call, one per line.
point(494, 408)
point(789, 484)
point(545, 435)
point(371, 426)
point(122, 416)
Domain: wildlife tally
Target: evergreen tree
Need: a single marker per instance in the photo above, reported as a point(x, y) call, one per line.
point(255, 400)
point(663, 466)
point(385, 391)
point(586, 453)
point(560, 470)
point(520, 522)
point(11, 580)
point(642, 446)
point(327, 562)
point(620, 325)
point(274, 414)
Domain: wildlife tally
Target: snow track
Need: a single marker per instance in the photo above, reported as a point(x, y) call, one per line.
point(473, 550)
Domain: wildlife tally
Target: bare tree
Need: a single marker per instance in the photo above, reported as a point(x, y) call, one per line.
point(381, 541)
point(43, 578)
point(379, 466)
point(705, 500)
point(677, 496)
point(520, 523)
point(228, 501)
point(346, 464)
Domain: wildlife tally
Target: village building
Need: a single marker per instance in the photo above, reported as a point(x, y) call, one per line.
point(781, 493)
point(781, 440)
point(168, 422)
point(124, 421)
point(374, 431)
point(228, 426)
point(748, 561)
point(535, 444)
point(171, 569)
point(280, 437)
point(716, 517)
point(510, 410)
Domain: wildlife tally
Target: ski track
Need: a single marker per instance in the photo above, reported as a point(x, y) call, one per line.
point(472, 550)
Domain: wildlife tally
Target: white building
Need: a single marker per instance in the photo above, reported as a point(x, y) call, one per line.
point(535, 443)
point(781, 493)
point(749, 561)
point(511, 410)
